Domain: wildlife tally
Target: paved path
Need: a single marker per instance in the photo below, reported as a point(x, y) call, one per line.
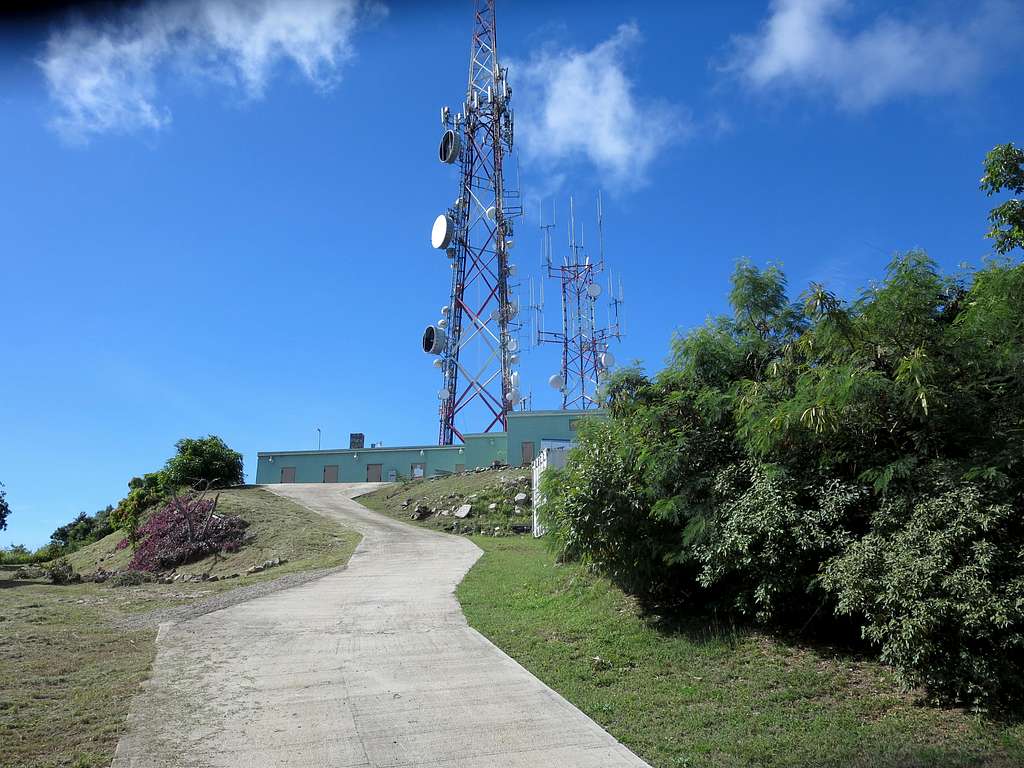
point(371, 666)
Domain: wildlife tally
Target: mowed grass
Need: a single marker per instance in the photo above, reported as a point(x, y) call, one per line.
point(68, 671)
point(706, 695)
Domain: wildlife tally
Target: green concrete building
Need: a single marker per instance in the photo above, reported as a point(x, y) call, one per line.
point(528, 433)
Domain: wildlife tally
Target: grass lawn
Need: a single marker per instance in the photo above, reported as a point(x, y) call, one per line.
point(700, 697)
point(68, 672)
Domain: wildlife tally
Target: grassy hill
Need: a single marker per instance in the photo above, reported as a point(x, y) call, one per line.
point(71, 657)
point(685, 690)
point(278, 529)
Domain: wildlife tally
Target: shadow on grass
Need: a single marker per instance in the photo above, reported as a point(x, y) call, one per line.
point(11, 583)
point(829, 638)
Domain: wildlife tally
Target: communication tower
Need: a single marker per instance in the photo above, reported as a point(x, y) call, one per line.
point(584, 337)
point(475, 339)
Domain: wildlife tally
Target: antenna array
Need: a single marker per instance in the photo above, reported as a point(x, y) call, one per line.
point(475, 339)
point(584, 337)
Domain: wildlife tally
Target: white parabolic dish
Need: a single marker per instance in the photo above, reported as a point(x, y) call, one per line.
point(593, 290)
point(441, 234)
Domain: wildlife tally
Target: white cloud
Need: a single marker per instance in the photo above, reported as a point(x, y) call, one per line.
point(803, 44)
point(103, 74)
point(575, 104)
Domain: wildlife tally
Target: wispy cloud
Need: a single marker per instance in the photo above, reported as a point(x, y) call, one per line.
point(574, 104)
point(804, 44)
point(104, 73)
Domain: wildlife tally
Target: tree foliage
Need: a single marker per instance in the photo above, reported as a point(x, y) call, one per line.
point(1004, 171)
point(5, 510)
point(198, 464)
point(816, 456)
point(205, 461)
point(83, 530)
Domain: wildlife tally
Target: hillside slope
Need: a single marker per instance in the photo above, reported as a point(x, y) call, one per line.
point(71, 657)
point(433, 501)
point(279, 529)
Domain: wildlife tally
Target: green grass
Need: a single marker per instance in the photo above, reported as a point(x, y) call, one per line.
point(481, 489)
point(68, 672)
point(707, 696)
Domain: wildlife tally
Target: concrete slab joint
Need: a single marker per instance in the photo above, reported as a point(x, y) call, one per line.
point(371, 666)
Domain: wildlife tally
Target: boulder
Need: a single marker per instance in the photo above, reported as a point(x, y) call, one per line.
point(421, 513)
point(520, 498)
point(464, 511)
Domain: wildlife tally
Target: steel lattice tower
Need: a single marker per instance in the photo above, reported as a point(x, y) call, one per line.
point(584, 339)
point(475, 339)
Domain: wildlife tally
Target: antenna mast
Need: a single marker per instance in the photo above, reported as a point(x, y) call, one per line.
point(583, 339)
point(476, 338)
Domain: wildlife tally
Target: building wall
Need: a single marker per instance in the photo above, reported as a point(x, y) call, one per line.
point(537, 426)
point(478, 451)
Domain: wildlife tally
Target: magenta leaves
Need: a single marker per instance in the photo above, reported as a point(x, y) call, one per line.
point(186, 529)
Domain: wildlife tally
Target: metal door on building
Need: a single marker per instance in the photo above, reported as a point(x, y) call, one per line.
point(287, 474)
point(331, 473)
point(527, 453)
point(373, 473)
point(419, 469)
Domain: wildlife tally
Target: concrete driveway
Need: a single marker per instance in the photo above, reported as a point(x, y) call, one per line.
point(370, 666)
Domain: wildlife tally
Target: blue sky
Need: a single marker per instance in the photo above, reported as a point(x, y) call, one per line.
point(214, 218)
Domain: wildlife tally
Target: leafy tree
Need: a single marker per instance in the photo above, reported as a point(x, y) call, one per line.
point(1004, 170)
point(204, 461)
point(200, 463)
point(5, 510)
point(143, 493)
point(805, 459)
point(83, 530)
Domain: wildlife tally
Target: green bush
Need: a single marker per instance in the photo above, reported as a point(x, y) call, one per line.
point(940, 586)
point(61, 572)
point(819, 458)
point(143, 493)
point(83, 530)
point(204, 462)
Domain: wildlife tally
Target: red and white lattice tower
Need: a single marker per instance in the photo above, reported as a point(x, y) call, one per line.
point(475, 338)
point(584, 336)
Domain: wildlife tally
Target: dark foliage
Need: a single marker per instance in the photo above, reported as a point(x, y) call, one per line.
point(83, 530)
point(815, 458)
point(5, 509)
point(185, 529)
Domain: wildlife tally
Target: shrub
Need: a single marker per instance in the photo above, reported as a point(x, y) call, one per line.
point(143, 493)
point(940, 586)
point(204, 462)
point(801, 460)
point(185, 529)
point(5, 509)
point(61, 572)
point(130, 578)
point(83, 530)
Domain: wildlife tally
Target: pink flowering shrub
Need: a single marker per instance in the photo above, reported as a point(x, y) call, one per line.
point(183, 530)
